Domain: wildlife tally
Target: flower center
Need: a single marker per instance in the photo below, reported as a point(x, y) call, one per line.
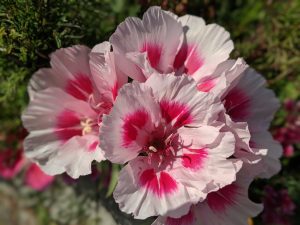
point(87, 126)
point(100, 106)
point(160, 148)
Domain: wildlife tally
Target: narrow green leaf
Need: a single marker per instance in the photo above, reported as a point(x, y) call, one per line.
point(113, 179)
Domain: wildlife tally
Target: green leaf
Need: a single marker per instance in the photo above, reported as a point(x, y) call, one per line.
point(113, 179)
point(57, 39)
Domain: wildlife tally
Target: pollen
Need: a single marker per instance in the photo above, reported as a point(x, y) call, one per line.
point(87, 126)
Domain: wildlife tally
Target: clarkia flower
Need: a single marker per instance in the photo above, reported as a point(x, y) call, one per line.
point(11, 162)
point(36, 178)
point(165, 43)
point(191, 129)
point(66, 108)
point(176, 152)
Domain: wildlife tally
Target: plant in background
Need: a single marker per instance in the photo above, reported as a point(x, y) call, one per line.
point(289, 134)
point(279, 207)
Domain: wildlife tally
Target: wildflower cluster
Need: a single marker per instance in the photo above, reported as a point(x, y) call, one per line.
point(191, 128)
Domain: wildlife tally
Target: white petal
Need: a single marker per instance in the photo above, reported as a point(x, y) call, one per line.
point(127, 128)
point(206, 46)
point(145, 191)
point(148, 35)
point(67, 64)
point(75, 157)
point(249, 101)
point(49, 120)
point(228, 206)
point(202, 107)
point(106, 75)
point(269, 164)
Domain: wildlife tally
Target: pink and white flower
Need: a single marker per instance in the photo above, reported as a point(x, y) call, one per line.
point(229, 205)
point(201, 51)
point(165, 43)
point(11, 162)
point(66, 108)
point(36, 178)
point(176, 152)
point(184, 127)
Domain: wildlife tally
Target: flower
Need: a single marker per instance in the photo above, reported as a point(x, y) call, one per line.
point(11, 162)
point(278, 206)
point(289, 134)
point(162, 43)
point(36, 178)
point(165, 43)
point(176, 152)
point(202, 52)
point(66, 106)
point(229, 205)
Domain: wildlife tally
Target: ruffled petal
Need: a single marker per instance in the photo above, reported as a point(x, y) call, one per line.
point(204, 47)
point(269, 152)
point(107, 77)
point(126, 129)
point(69, 71)
point(249, 101)
point(75, 157)
point(145, 191)
point(230, 205)
point(52, 119)
point(223, 78)
point(208, 163)
point(148, 36)
point(180, 101)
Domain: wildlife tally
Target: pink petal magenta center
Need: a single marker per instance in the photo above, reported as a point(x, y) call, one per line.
point(80, 87)
point(132, 123)
point(220, 200)
point(153, 53)
point(175, 111)
point(162, 185)
point(67, 125)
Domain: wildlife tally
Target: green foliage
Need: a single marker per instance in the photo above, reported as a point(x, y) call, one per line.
point(31, 30)
point(113, 180)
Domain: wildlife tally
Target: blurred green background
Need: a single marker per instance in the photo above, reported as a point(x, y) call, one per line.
point(266, 34)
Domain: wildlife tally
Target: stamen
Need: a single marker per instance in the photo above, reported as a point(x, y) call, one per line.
point(87, 126)
point(160, 160)
point(93, 103)
point(172, 150)
point(150, 158)
point(158, 150)
point(153, 149)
